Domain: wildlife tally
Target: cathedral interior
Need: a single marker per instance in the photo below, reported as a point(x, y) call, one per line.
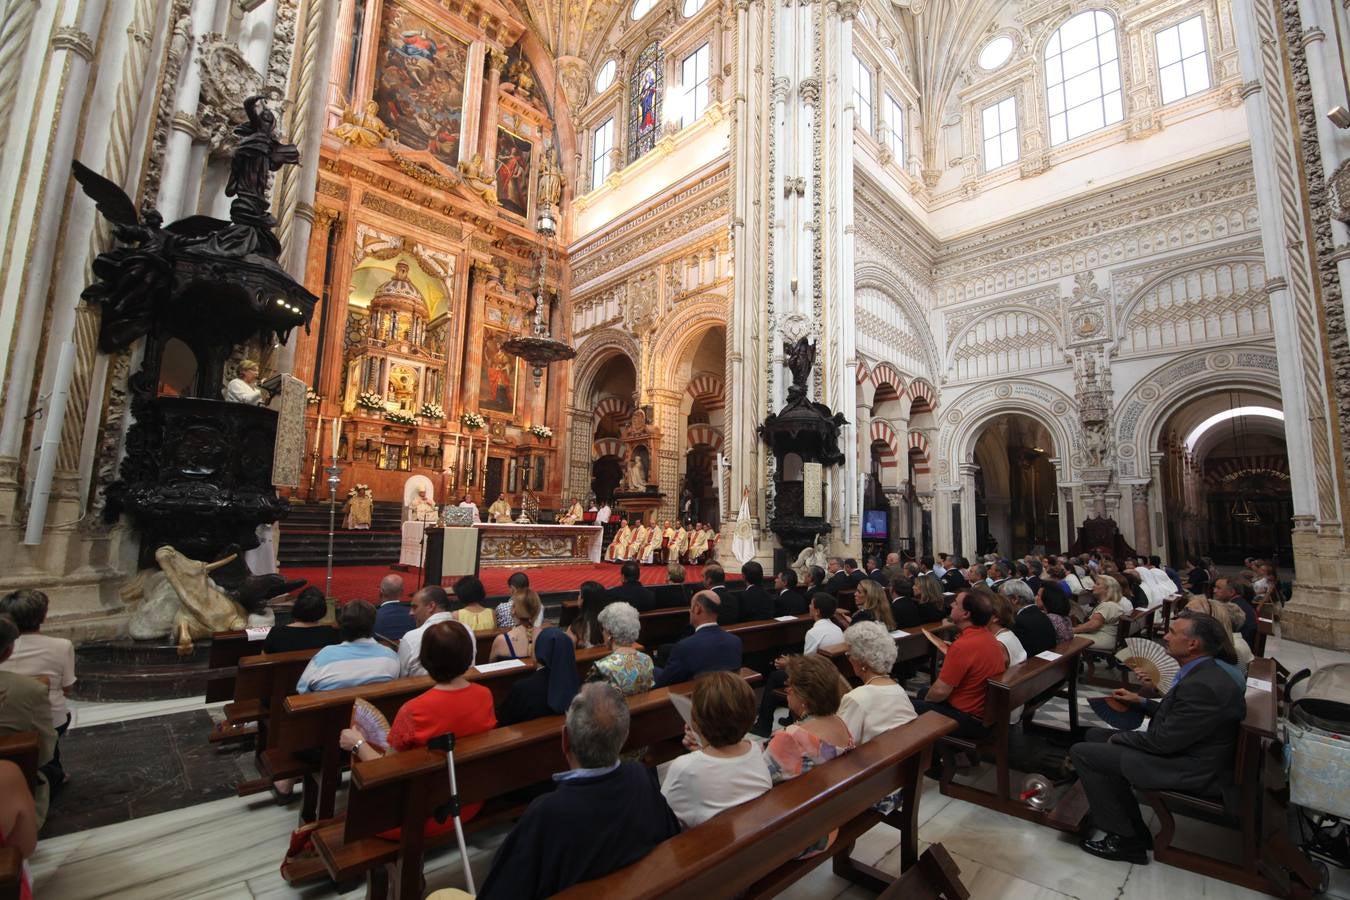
point(1030, 264)
point(1058, 262)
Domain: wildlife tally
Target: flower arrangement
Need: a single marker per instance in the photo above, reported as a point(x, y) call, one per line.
point(399, 418)
point(542, 432)
point(432, 411)
point(370, 400)
point(312, 397)
point(473, 420)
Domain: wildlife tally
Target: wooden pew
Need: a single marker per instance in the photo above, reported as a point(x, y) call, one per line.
point(1017, 686)
point(663, 626)
point(1268, 862)
point(771, 634)
point(403, 790)
point(304, 740)
point(22, 750)
point(667, 596)
point(261, 686)
point(227, 648)
point(749, 850)
point(1265, 627)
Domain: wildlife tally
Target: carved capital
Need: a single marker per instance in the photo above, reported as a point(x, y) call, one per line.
point(1139, 493)
point(496, 61)
point(810, 91)
point(186, 123)
point(75, 41)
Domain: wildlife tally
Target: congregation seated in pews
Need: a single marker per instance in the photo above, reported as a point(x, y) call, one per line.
point(599, 689)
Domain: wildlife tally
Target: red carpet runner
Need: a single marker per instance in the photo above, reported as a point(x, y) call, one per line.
point(362, 582)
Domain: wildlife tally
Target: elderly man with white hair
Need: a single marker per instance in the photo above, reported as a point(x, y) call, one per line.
point(1031, 625)
point(626, 667)
point(879, 703)
point(602, 814)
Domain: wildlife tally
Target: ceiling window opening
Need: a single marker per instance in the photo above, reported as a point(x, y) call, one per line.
point(1000, 134)
point(1082, 77)
point(862, 94)
point(1183, 60)
point(602, 142)
point(694, 70)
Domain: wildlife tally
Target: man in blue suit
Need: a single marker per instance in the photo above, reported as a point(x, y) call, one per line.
point(393, 617)
point(708, 649)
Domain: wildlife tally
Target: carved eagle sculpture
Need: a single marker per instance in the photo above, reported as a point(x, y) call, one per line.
point(133, 280)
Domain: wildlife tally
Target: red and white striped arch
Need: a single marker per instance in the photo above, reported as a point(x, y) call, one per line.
point(702, 433)
point(924, 397)
point(709, 390)
point(889, 383)
point(613, 406)
point(883, 433)
point(923, 459)
point(607, 447)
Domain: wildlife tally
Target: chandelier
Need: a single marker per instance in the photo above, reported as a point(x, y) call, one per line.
point(540, 349)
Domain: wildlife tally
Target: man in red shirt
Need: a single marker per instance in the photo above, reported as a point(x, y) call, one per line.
point(971, 660)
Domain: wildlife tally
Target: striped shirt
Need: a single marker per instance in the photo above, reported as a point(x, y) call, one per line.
point(351, 663)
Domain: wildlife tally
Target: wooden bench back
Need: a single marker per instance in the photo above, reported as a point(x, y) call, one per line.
point(1027, 680)
point(487, 765)
point(735, 849)
point(227, 648)
point(771, 634)
point(22, 749)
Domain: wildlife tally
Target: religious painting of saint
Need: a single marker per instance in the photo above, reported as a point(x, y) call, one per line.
point(497, 379)
point(647, 84)
point(419, 85)
point(514, 157)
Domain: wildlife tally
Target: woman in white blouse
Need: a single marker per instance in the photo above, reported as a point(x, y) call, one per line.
point(724, 769)
point(244, 389)
point(879, 703)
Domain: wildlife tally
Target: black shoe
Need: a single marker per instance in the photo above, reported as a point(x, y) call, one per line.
point(1113, 846)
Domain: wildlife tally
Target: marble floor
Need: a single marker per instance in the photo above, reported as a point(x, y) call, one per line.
point(232, 848)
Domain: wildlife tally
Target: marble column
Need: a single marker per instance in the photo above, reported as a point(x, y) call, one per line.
point(966, 497)
point(488, 133)
point(666, 468)
point(25, 287)
point(1143, 541)
point(1290, 145)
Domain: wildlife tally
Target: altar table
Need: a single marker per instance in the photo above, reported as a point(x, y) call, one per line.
point(538, 545)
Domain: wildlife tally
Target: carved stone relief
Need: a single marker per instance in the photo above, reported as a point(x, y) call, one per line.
point(227, 79)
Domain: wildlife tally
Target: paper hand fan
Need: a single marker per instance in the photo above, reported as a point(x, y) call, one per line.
point(371, 723)
point(1151, 659)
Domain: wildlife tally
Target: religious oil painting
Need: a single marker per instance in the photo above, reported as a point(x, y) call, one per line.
point(420, 83)
point(514, 157)
point(497, 378)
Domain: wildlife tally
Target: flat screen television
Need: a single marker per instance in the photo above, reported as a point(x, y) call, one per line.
point(874, 525)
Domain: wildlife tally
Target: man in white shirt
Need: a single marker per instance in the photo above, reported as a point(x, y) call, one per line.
point(823, 633)
point(429, 606)
point(939, 567)
point(359, 659)
point(602, 515)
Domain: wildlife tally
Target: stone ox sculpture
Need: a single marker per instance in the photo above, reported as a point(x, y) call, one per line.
point(181, 601)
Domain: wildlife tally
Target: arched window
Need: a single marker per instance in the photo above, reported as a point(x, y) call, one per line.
point(642, 7)
point(605, 77)
point(1082, 77)
point(646, 98)
point(691, 6)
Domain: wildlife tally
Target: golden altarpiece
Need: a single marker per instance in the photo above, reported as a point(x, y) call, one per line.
point(426, 256)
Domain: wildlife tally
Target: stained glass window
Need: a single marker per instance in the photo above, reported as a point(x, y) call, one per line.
point(647, 93)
